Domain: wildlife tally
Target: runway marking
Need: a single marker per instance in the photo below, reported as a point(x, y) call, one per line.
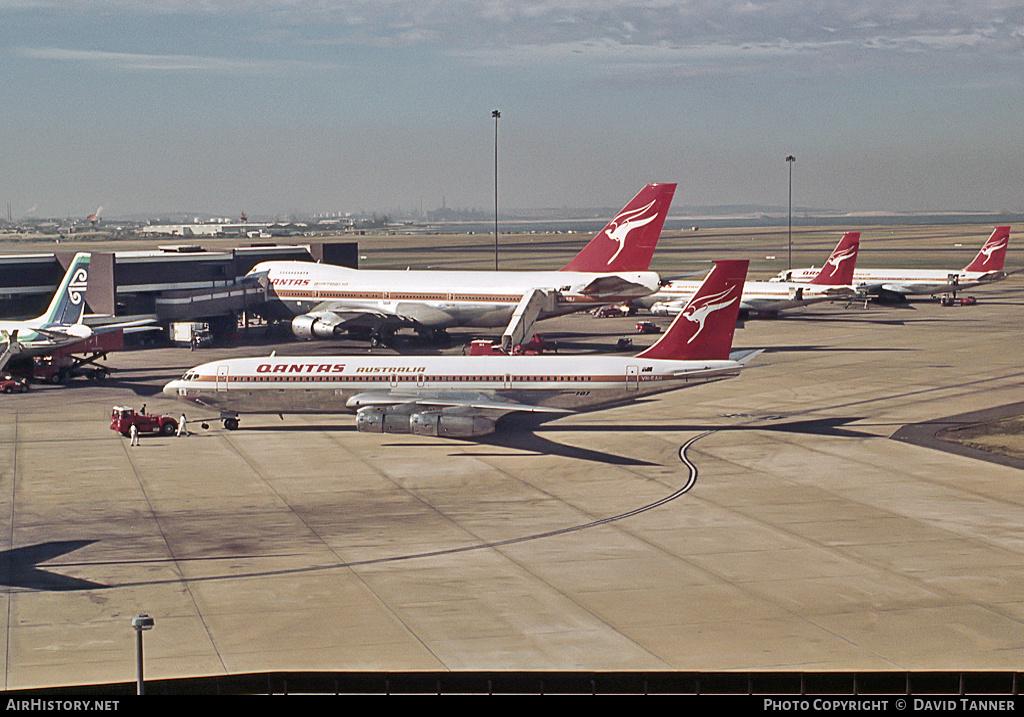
point(690, 482)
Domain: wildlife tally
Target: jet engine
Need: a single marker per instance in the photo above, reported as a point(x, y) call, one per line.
point(314, 326)
point(389, 419)
point(437, 423)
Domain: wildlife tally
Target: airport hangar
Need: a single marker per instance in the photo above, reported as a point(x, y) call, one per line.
point(169, 284)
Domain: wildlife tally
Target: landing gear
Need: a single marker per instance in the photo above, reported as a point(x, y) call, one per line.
point(379, 339)
point(231, 423)
point(434, 337)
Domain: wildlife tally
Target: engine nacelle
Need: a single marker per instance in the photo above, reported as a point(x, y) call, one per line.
point(312, 326)
point(373, 419)
point(436, 423)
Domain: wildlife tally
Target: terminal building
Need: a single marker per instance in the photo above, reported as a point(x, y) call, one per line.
point(169, 284)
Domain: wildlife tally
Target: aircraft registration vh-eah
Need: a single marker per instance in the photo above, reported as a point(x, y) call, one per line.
point(464, 396)
point(326, 301)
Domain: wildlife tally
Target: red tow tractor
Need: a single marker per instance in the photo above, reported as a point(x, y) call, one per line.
point(536, 345)
point(9, 384)
point(122, 418)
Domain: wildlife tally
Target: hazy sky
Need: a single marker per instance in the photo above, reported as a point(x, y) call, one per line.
point(276, 106)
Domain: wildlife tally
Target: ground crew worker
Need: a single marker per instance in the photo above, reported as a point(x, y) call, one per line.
point(134, 432)
point(182, 429)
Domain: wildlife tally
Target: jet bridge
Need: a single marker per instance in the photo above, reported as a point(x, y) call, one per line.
point(190, 303)
point(525, 316)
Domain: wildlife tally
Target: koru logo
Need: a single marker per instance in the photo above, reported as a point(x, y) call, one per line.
point(79, 283)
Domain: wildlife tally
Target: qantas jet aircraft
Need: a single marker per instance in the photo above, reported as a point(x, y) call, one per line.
point(833, 281)
point(896, 284)
point(61, 325)
point(324, 301)
point(463, 396)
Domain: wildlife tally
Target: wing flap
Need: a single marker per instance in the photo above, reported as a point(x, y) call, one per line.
point(477, 402)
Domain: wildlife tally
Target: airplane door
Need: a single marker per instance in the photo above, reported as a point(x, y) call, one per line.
point(222, 377)
point(508, 380)
point(632, 378)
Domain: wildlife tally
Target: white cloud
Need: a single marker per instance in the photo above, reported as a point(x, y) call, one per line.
point(159, 63)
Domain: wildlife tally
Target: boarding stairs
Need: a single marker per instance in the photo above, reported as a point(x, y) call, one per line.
point(525, 316)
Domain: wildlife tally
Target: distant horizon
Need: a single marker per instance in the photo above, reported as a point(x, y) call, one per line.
point(564, 220)
point(526, 215)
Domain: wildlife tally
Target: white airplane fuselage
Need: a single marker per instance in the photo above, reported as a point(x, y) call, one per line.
point(462, 396)
point(34, 340)
point(908, 281)
point(768, 296)
point(491, 385)
point(443, 299)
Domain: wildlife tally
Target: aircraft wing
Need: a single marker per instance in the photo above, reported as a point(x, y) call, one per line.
point(905, 288)
point(745, 357)
point(840, 291)
point(345, 318)
point(470, 401)
point(613, 285)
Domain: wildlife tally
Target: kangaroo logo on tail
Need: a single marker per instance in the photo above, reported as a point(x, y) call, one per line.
point(988, 249)
point(714, 306)
point(698, 311)
point(838, 258)
point(838, 270)
point(993, 254)
point(628, 241)
point(618, 229)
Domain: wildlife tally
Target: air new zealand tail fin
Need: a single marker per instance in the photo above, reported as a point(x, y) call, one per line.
point(68, 305)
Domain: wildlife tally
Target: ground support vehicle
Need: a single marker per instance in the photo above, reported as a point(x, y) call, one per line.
point(122, 418)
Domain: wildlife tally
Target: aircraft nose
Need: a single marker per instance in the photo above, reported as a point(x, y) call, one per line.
point(171, 389)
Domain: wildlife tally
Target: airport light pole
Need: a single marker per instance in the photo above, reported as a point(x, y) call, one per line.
point(496, 115)
point(789, 160)
point(140, 623)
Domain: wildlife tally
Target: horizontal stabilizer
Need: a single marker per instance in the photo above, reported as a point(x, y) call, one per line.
point(615, 285)
point(745, 356)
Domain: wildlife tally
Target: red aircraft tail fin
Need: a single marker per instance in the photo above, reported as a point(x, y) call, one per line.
point(628, 241)
point(704, 329)
point(838, 270)
point(993, 254)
